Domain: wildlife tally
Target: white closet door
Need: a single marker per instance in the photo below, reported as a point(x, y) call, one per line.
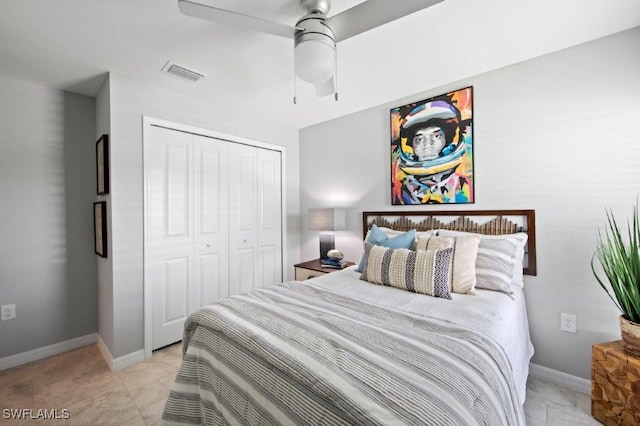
point(269, 218)
point(243, 220)
point(169, 227)
point(211, 218)
point(213, 224)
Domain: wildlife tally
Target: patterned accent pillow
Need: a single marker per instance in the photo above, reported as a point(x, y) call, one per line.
point(377, 237)
point(499, 261)
point(463, 261)
point(423, 271)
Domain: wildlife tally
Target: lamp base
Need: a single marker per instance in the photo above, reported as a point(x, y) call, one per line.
point(327, 242)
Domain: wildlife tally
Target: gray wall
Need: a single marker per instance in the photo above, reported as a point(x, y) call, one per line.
point(47, 186)
point(130, 100)
point(558, 134)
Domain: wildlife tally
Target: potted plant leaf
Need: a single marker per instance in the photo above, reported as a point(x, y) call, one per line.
point(619, 255)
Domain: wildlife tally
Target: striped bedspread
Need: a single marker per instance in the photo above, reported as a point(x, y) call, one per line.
point(295, 355)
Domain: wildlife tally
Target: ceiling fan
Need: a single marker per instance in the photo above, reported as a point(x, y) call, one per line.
point(315, 35)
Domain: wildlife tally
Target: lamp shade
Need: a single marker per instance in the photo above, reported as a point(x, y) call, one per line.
point(327, 219)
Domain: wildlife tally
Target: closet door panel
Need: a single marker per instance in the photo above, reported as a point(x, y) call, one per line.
point(269, 272)
point(169, 231)
point(243, 219)
point(244, 271)
point(211, 217)
point(176, 290)
point(269, 215)
point(212, 277)
point(177, 165)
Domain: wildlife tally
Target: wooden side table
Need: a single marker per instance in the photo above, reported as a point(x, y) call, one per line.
point(313, 268)
point(615, 385)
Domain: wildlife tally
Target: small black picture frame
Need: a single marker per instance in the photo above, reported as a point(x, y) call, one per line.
point(102, 165)
point(100, 227)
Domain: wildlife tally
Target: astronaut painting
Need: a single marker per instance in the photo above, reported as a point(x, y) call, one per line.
point(432, 150)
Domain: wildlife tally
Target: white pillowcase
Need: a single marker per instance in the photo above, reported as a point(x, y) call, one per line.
point(499, 261)
point(463, 261)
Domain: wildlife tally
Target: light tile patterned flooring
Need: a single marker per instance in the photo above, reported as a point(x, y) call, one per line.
point(80, 381)
point(553, 405)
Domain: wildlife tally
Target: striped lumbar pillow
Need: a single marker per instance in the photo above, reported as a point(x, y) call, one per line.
point(463, 261)
point(423, 271)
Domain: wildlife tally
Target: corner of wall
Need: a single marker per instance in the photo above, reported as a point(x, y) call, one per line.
point(105, 265)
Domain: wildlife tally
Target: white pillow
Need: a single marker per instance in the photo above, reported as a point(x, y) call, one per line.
point(499, 261)
point(463, 261)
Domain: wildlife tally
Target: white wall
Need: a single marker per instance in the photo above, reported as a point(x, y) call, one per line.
point(47, 186)
point(130, 100)
point(558, 134)
point(105, 265)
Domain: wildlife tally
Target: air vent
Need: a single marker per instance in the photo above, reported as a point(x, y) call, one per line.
point(183, 72)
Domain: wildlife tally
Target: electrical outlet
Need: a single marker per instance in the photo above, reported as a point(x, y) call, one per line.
point(568, 323)
point(7, 312)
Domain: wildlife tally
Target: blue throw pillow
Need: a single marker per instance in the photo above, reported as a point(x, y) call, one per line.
point(376, 235)
point(378, 238)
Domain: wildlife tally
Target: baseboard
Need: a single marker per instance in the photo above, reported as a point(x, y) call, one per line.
point(120, 362)
point(128, 359)
point(45, 351)
point(560, 378)
point(106, 353)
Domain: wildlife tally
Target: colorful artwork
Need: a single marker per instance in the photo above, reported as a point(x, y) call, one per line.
point(432, 150)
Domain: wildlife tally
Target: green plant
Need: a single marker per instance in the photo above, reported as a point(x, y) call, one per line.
point(620, 260)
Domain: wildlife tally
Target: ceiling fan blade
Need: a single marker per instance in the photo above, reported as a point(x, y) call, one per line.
point(371, 14)
point(227, 17)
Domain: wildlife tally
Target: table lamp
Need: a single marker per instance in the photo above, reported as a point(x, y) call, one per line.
point(326, 221)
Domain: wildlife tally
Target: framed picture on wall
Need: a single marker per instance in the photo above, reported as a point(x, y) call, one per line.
point(432, 150)
point(102, 165)
point(100, 227)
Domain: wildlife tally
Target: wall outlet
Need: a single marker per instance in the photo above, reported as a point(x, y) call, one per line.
point(568, 323)
point(7, 312)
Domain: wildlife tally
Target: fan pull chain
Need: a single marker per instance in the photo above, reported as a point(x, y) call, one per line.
point(295, 93)
point(335, 71)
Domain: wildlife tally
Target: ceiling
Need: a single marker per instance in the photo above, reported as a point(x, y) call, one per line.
point(70, 44)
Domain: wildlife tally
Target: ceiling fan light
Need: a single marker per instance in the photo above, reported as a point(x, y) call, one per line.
point(314, 61)
point(325, 89)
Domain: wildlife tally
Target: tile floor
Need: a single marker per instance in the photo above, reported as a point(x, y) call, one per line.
point(80, 381)
point(553, 405)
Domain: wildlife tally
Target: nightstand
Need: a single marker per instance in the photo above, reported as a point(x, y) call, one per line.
point(615, 385)
point(313, 268)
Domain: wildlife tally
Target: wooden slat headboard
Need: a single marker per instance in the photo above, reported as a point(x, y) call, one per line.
point(489, 222)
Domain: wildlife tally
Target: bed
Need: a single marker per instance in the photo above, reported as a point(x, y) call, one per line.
point(339, 350)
